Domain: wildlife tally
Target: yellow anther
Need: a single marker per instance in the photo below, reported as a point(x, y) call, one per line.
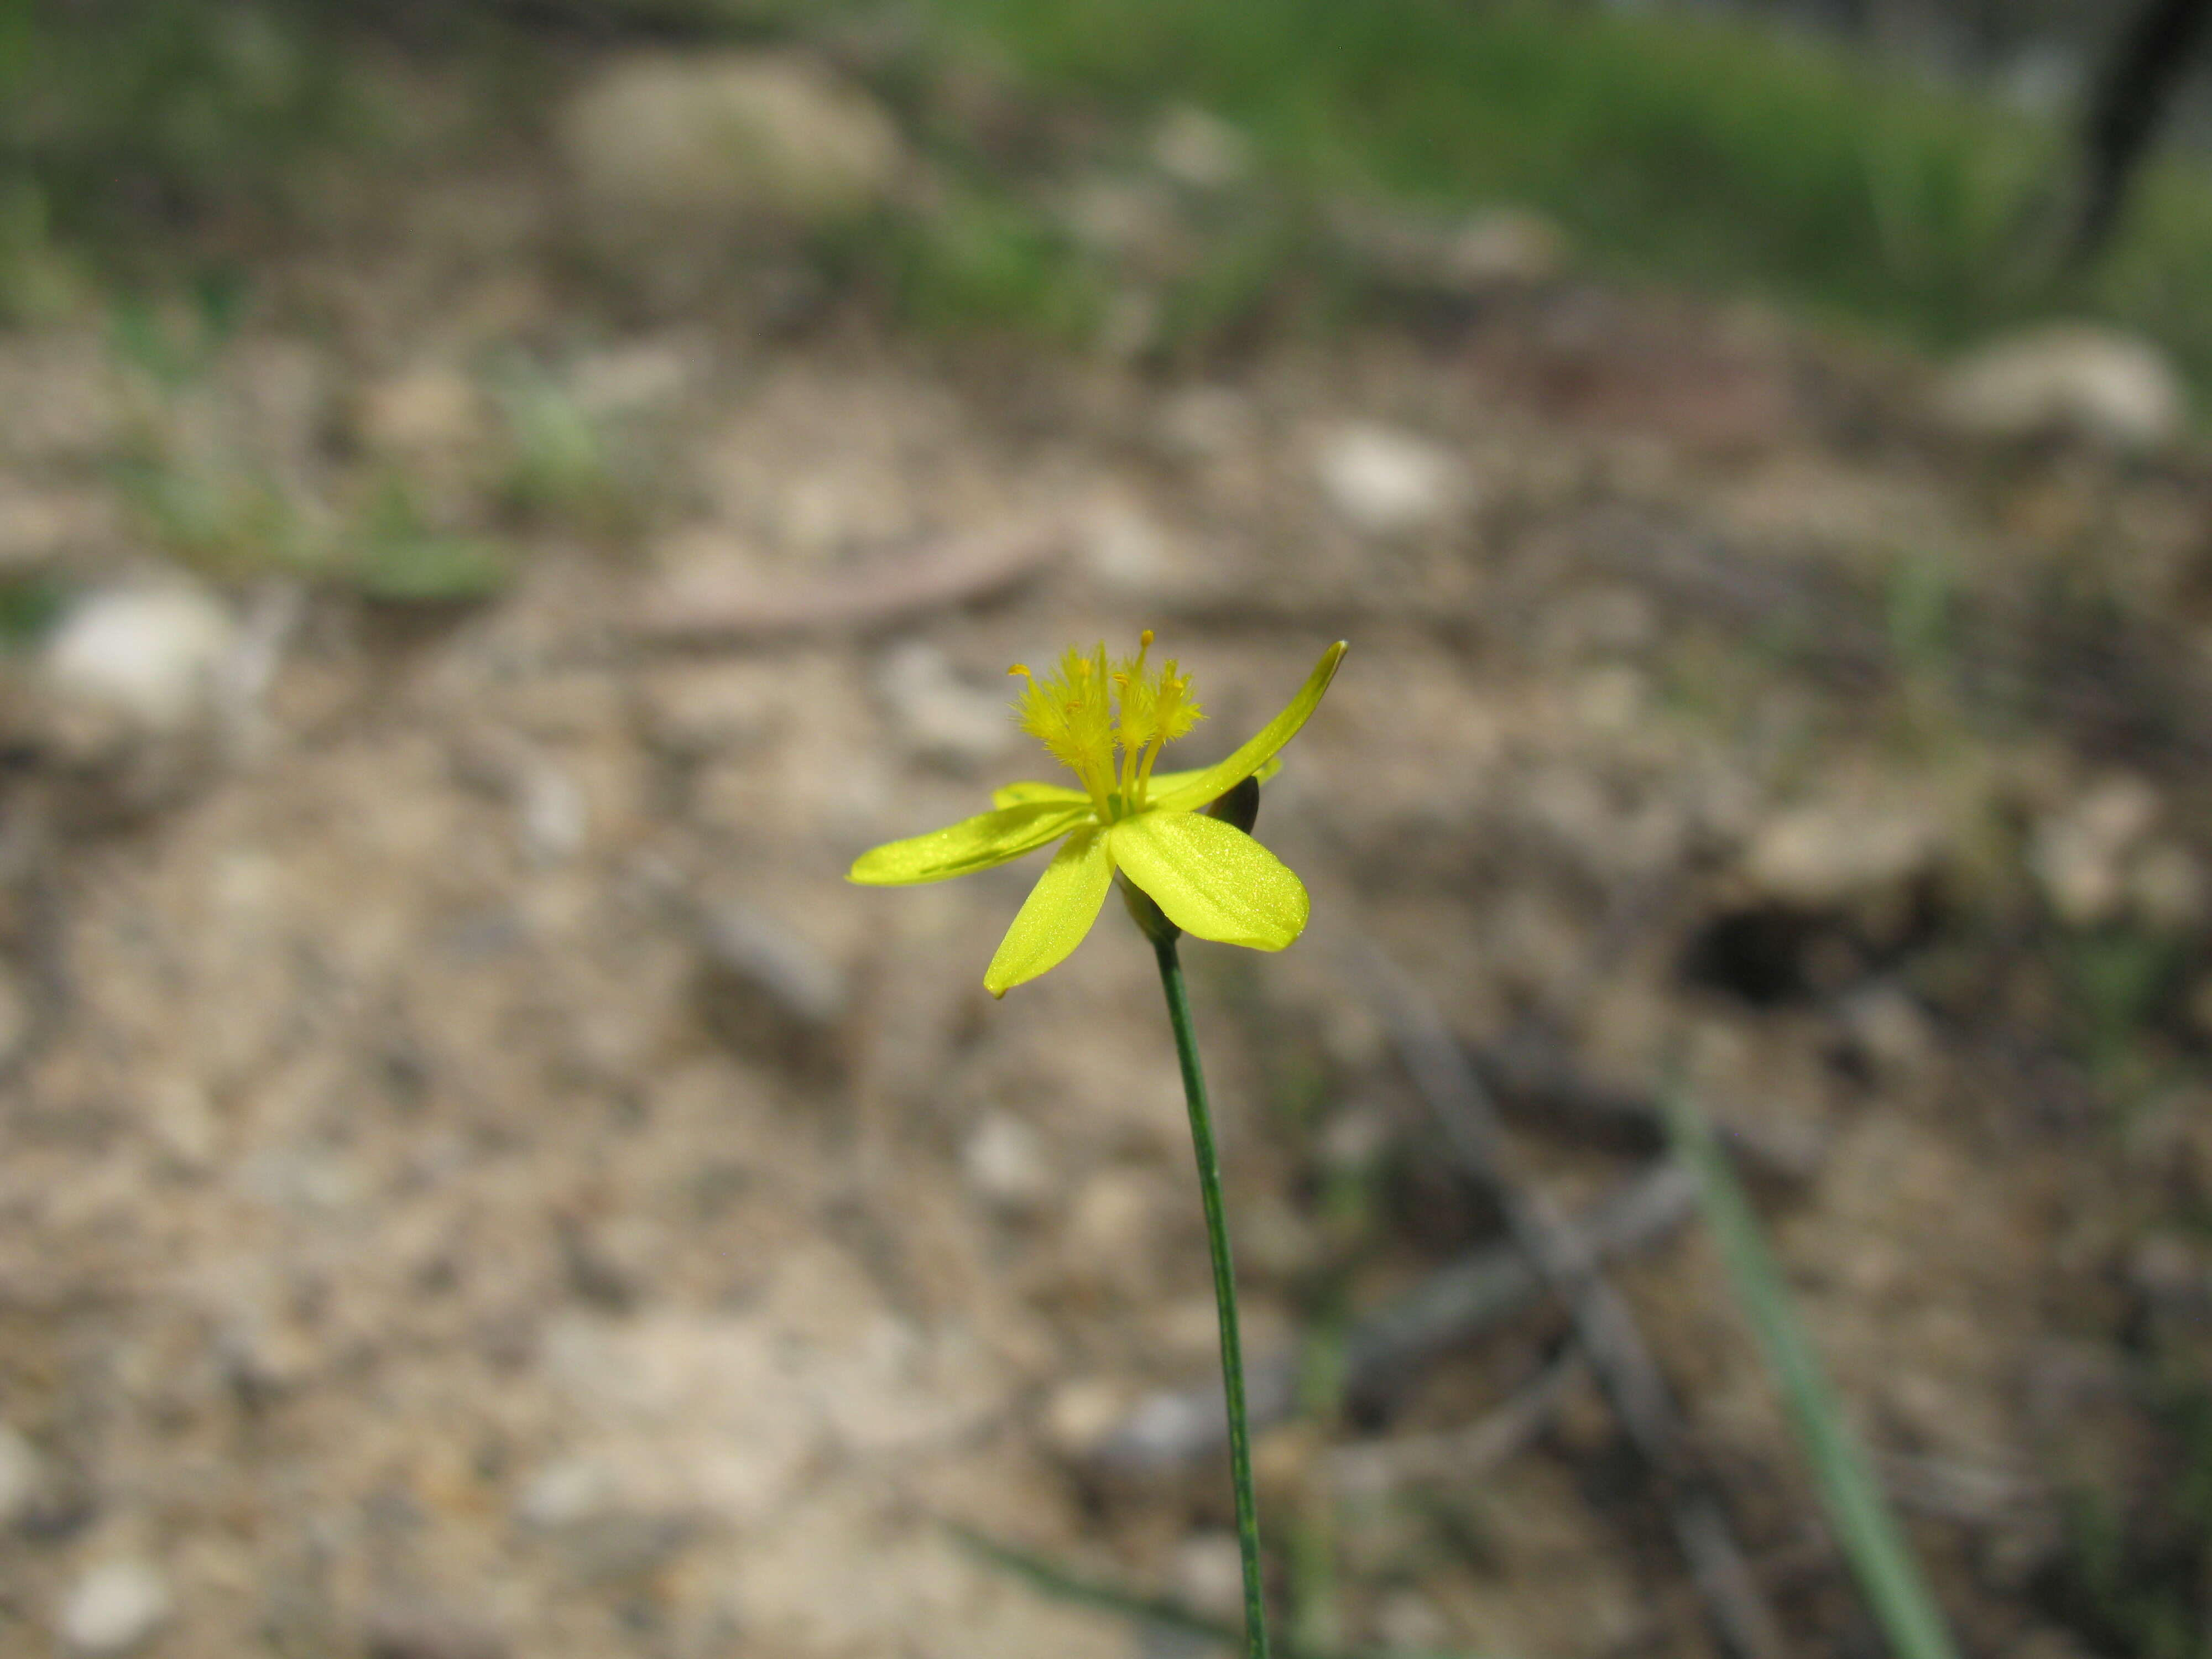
point(1144, 638)
point(1022, 669)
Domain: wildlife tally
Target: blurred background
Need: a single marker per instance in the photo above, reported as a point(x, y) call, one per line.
point(501, 500)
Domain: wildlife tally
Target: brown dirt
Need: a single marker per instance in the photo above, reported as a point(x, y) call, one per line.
point(405, 1219)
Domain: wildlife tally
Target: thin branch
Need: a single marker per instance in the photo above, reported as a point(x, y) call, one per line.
point(1603, 1324)
point(1374, 1468)
point(1173, 1428)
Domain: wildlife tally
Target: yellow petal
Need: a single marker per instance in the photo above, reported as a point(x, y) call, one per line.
point(1212, 878)
point(974, 844)
point(1198, 788)
point(1057, 914)
point(1024, 794)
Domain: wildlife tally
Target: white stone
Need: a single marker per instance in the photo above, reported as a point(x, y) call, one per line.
point(1208, 1571)
point(755, 953)
point(1199, 151)
point(2079, 857)
point(1131, 221)
point(428, 410)
point(1889, 1029)
point(182, 1121)
point(1003, 1160)
point(1126, 549)
point(2073, 379)
point(1385, 482)
point(1113, 1220)
point(1206, 423)
point(1504, 247)
point(1080, 1413)
point(1161, 1429)
point(645, 375)
point(1817, 857)
point(114, 1607)
point(552, 814)
point(1354, 1140)
point(1407, 1621)
point(940, 715)
point(695, 1411)
point(564, 1493)
point(152, 655)
point(724, 145)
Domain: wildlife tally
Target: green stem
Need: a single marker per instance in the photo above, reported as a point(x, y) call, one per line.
point(1224, 1292)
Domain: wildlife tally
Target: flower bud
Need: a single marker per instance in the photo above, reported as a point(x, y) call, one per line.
point(1240, 807)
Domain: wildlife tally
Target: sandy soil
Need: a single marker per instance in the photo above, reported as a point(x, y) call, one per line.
point(478, 1181)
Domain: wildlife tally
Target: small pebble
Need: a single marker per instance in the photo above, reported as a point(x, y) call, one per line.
point(114, 1607)
point(768, 991)
point(400, 1629)
point(942, 716)
point(1209, 1574)
point(554, 817)
point(1407, 1621)
point(1004, 1160)
point(1833, 855)
point(2066, 379)
point(425, 411)
point(1080, 1413)
point(1387, 483)
point(561, 1494)
point(2080, 856)
point(1198, 151)
point(1888, 1029)
point(151, 655)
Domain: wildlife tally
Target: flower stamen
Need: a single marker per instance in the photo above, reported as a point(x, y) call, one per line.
point(1107, 724)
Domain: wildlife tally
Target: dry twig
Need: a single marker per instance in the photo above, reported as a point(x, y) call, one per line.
point(1173, 1428)
point(1529, 1076)
point(1605, 1328)
point(714, 605)
point(1374, 1468)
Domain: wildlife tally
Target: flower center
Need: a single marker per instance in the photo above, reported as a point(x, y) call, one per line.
point(1084, 711)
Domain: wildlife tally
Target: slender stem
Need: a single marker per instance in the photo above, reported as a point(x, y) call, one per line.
point(1224, 1293)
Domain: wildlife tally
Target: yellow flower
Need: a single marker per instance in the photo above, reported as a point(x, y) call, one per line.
point(1207, 877)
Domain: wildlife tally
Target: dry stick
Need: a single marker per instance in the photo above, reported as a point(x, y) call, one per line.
point(1173, 1428)
point(719, 606)
point(1530, 1078)
point(1376, 1468)
point(1604, 1325)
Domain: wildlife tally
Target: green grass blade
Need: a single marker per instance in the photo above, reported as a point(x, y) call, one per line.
point(1048, 1577)
point(1860, 1515)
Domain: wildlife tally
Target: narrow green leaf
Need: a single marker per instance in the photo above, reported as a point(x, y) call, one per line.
point(1871, 1540)
point(1164, 784)
point(1049, 1578)
point(1189, 791)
